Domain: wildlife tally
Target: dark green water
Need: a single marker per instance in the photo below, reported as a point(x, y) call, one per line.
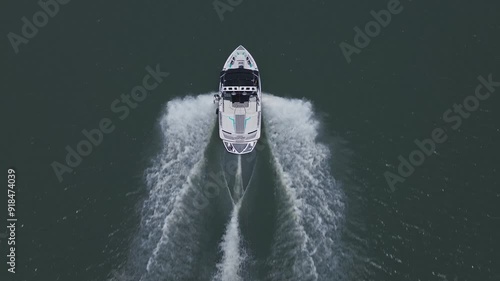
point(441, 223)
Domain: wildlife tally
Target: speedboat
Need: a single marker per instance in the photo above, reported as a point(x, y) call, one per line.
point(239, 103)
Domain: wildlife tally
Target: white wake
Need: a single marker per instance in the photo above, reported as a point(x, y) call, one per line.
point(160, 250)
point(309, 202)
point(311, 214)
point(229, 269)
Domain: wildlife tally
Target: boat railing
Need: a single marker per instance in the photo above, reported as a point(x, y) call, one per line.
point(239, 89)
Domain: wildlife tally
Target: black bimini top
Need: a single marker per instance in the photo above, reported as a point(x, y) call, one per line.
point(240, 77)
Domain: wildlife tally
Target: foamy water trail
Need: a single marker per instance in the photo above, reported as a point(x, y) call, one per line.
point(163, 248)
point(238, 183)
point(311, 210)
point(229, 269)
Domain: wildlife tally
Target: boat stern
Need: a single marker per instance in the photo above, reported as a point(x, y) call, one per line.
point(240, 148)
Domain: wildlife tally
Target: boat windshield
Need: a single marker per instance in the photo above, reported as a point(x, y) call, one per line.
point(239, 77)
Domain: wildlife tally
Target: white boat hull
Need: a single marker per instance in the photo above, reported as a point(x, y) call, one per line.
point(239, 103)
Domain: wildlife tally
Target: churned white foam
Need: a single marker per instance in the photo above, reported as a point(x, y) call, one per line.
point(309, 218)
point(238, 183)
point(229, 269)
point(309, 202)
point(187, 125)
